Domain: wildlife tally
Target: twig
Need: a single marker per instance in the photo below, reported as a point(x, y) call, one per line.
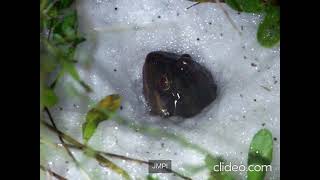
point(131, 159)
point(265, 88)
point(224, 11)
point(54, 83)
point(45, 11)
point(111, 154)
point(50, 29)
point(60, 135)
point(124, 157)
point(157, 132)
point(89, 151)
point(201, 2)
point(228, 16)
point(52, 173)
point(77, 145)
point(128, 159)
point(193, 5)
point(63, 135)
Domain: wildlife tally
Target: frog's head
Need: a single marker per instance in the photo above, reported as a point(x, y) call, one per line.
point(176, 85)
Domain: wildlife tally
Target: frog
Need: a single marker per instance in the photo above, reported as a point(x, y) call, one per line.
point(176, 85)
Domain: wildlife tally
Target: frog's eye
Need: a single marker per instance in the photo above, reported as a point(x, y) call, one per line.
point(185, 56)
point(182, 64)
point(164, 83)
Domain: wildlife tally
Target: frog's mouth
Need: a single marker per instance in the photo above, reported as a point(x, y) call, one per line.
point(159, 106)
point(156, 103)
point(151, 76)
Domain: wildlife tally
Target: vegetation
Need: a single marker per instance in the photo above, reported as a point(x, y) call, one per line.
point(268, 34)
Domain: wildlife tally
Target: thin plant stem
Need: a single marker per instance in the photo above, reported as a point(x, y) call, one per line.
point(64, 145)
point(228, 16)
point(193, 5)
point(77, 145)
point(158, 132)
point(219, 2)
point(59, 135)
point(56, 175)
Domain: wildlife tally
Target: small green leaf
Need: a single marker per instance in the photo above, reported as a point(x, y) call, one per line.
point(43, 4)
point(101, 112)
point(234, 4)
point(58, 39)
point(67, 26)
point(85, 86)
point(269, 29)
point(109, 164)
point(64, 3)
point(53, 12)
point(241, 5)
point(79, 40)
point(69, 67)
point(194, 169)
point(48, 97)
point(48, 63)
point(151, 177)
point(90, 152)
point(211, 162)
point(221, 176)
point(260, 153)
point(250, 6)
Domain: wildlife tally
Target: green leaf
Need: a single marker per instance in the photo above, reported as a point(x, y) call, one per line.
point(241, 5)
point(103, 161)
point(69, 67)
point(151, 177)
point(85, 86)
point(260, 153)
point(53, 12)
point(101, 112)
point(250, 6)
point(194, 169)
point(48, 63)
point(269, 29)
point(65, 3)
point(67, 26)
point(211, 162)
point(43, 4)
point(48, 97)
point(79, 40)
point(109, 164)
point(58, 39)
point(234, 4)
point(221, 176)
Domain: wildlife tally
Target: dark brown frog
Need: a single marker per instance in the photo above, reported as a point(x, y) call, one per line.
point(175, 85)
